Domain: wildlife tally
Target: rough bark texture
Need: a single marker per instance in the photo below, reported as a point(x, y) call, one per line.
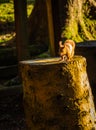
point(57, 95)
point(88, 50)
point(80, 19)
point(77, 19)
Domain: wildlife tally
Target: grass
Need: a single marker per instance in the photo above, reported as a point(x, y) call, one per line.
point(7, 28)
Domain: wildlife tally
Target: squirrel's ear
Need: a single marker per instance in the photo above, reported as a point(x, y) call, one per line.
point(60, 44)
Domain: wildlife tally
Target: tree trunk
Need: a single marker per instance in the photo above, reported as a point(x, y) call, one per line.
point(79, 19)
point(57, 95)
point(38, 25)
point(21, 30)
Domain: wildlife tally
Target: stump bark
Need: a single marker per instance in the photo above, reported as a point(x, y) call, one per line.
point(57, 95)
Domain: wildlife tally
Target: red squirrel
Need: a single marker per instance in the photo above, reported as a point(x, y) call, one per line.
point(67, 50)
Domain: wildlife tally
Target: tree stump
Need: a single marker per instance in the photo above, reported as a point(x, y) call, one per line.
point(57, 95)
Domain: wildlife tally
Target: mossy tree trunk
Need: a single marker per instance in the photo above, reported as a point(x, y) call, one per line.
point(80, 19)
point(77, 21)
point(57, 95)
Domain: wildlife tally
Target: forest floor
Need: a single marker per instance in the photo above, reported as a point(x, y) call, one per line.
point(12, 113)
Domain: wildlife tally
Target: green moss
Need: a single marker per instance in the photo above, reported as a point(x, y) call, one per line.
point(7, 19)
point(71, 32)
point(81, 22)
point(44, 55)
point(7, 11)
point(91, 26)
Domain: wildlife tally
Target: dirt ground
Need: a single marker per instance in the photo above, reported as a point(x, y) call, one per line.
point(12, 113)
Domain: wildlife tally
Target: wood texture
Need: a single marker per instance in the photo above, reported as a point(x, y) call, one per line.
point(57, 95)
point(20, 8)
